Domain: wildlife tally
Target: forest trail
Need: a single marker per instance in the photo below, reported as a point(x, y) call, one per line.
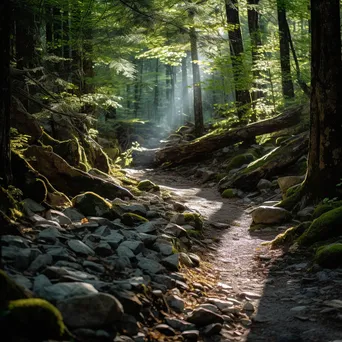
point(288, 300)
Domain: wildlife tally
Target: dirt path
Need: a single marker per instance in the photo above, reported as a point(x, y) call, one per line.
point(289, 302)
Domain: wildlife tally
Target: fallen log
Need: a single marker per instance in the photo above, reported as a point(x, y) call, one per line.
point(267, 166)
point(202, 147)
point(68, 179)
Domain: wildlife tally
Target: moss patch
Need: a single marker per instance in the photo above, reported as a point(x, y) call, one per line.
point(229, 193)
point(36, 319)
point(326, 226)
point(10, 290)
point(240, 160)
point(147, 185)
point(329, 256)
point(291, 201)
point(193, 219)
point(131, 219)
point(325, 207)
point(290, 235)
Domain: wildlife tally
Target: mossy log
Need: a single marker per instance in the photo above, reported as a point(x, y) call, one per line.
point(202, 147)
point(68, 179)
point(268, 166)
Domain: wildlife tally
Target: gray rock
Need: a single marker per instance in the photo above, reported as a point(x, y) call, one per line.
point(58, 216)
point(63, 291)
point(59, 253)
point(14, 241)
point(264, 184)
point(164, 280)
point(150, 266)
point(114, 239)
point(79, 247)
point(103, 249)
point(147, 228)
point(175, 302)
point(40, 262)
point(40, 282)
point(119, 263)
point(94, 310)
point(165, 248)
point(22, 281)
point(202, 317)
point(138, 209)
point(129, 324)
point(195, 259)
point(165, 329)
point(212, 329)
point(130, 302)
point(22, 257)
point(171, 262)
point(53, 272)
point(178, 219)
point(93, 266)
point(123, 251)
point(73, 214)
point(305, 214)
point(191, 335)
point(185, 260)
point(135, 246)
point(175, 230)
point(46, 224)
point(210, 307)
point(287, 182)
point(30, 206)
point(179, 324)
point(221, 304)
point(270, 215)
point(103, 231)
point(50, 234)
point(68, 264)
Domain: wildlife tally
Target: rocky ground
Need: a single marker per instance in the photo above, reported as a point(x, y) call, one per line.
point(159, 275)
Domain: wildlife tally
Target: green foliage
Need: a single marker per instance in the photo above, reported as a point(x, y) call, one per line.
point(18, 141)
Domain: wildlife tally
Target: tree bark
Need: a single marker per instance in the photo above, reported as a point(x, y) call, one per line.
point(185, 89)
point(325, 149)
point(5, 93)
point(242, 96)
point(287, 84)
point(197, 88)
point(201, 148)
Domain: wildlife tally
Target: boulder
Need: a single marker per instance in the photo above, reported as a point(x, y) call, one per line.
point(287, 182)
point(91, 311)
point(270, 215)
point(202, 317)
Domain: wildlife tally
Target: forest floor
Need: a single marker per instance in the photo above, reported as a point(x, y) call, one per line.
point(293, 301)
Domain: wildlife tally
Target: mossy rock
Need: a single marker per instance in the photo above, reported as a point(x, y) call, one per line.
point(8, 205)
point(326, 226)
point(290, 235)
point(193, 219)
point(147, 185)
point(293, 199)
point(10, 290)
point(131, 219)
point(329, 256)
point(229, 193)
point(35, 319)
point(325, 207)
point(240, 160)
point(91, 204)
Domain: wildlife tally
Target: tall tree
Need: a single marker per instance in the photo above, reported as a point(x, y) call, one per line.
point(325, 149)
point(287, 84)
point(243, 99)
point(5, 93)
point(185, 90)
point(197, 88)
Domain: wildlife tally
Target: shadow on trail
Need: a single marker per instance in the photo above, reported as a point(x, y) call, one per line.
point(283, 293)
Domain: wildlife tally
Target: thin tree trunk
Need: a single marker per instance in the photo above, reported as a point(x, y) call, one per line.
point(185, 89)
point(254, 31)
point(197, 89)
point(5, 93)
point(156, 92)
point(287, 84)
point(243, 99)
point(325, 149)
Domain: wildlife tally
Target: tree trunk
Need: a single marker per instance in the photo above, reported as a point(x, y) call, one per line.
point(325, 149)
point(287, 84)
point(254, 32)
point(201, 148)
point(185, 89)
point(197, 88)
point(156, 92)
point(242, 96)
point(5, 93)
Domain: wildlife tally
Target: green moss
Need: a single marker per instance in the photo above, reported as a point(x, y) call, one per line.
point(131, 219)
point(291, 201)
point(229, 193)
point(195, 233)
point(292, 190)
point(329, 256)
point(290, 235)
point(193, 219)
point(325, 207)
point(147, 185)
point(35, 319)
point(9, 290)
point(326, 226)
point(240, 160)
